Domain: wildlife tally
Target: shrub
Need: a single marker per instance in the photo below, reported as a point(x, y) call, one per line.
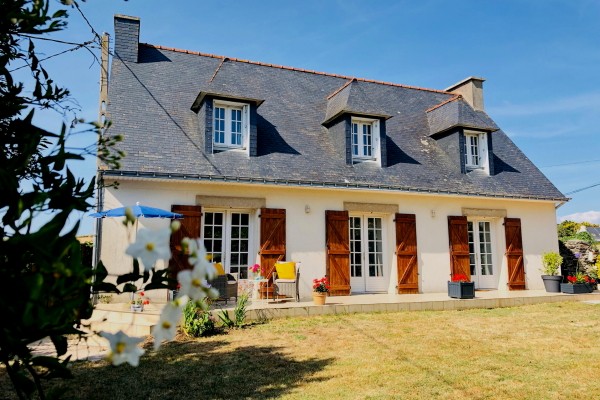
point(552, 262)
point(197, 320)
point(584, 236)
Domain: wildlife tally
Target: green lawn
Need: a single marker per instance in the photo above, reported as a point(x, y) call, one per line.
point(548, 351)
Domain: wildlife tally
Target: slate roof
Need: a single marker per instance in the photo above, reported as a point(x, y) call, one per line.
point(150, 103)
point(457, 112)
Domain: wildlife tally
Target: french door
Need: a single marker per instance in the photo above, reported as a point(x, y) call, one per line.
point(366, 254)
point(483, 271)
point(227, 239)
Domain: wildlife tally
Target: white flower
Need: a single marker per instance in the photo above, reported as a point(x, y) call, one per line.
point(123, 348)
point(151, 246)
point(192, 284)
point(166, 328)
point(200, 259)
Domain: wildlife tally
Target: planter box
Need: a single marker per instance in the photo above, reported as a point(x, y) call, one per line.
point(461, 290)
point(576, 288)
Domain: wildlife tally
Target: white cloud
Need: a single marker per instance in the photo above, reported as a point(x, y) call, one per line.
point(587, 216)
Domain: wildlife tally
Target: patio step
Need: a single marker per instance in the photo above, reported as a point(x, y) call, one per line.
point(114, 317)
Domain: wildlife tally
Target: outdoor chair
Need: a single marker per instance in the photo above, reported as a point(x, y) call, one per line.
point(232, 286)
point(286, 278)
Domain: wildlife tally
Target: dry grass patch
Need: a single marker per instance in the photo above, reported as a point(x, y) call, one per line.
point(546, 351)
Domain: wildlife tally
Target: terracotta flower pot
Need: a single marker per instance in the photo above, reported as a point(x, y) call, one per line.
point(319, 298)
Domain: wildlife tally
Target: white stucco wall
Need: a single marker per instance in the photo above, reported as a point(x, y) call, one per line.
point(306, 231)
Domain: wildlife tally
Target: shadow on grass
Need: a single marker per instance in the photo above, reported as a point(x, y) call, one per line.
point(195, 370)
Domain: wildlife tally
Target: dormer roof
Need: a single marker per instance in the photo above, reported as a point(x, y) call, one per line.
point(456, 112)
point(353, 98)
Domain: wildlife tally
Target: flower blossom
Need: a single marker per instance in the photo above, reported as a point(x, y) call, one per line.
point(166, 328)
point(151, 246)
point(123, 348)
point(194, 282)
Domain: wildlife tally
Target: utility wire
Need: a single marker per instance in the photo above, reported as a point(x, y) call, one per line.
point(582, 189)
point(571, 163)
point(57, 54)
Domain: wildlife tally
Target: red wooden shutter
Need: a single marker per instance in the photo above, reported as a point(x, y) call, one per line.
point(272, 240)
point(459, 246)
point(514, 254)
point(338, 252)
point(406, 253)
point(190, 227)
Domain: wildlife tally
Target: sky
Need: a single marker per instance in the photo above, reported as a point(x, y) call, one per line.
point(540, 59)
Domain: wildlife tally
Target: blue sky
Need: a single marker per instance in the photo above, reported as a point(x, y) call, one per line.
point(540, 59)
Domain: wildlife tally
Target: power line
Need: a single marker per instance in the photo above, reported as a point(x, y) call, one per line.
point(571, 163)
point(57, 54)
point(582, 189)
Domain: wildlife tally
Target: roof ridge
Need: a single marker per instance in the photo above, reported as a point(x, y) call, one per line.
point(443, 103)
point(344, 86)
point(197, 53)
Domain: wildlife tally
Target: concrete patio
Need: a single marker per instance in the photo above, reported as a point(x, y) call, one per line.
point(112, 317)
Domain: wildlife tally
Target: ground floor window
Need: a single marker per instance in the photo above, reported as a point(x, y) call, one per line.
point(481, 256)
point(366, 253)
point(227, 239)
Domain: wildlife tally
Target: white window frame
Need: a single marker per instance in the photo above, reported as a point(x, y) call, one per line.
point(482, 161)
point(226, 236)
point(245, 122)
point(375, 155)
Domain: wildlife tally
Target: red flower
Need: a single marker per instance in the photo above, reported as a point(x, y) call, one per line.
point(460, 278)
point(142, 294)
point(146, 302)
point(571, 279)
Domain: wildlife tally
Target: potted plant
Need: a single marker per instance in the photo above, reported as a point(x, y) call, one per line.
point(461, 287)
point(320, 291)
point(577, 284)
point(255, 269)
point(552, 262)
point(138, 303)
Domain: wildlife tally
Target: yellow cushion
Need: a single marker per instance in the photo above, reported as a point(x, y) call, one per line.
point(286, 270)
point(220, 269)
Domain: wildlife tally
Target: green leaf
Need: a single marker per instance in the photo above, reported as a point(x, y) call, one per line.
point(60, 344)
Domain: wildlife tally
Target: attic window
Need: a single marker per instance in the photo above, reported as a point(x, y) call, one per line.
point(231, 125)
point(476, 155)
point(364, 135)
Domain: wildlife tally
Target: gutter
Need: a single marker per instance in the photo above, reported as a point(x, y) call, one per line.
point(308, 183)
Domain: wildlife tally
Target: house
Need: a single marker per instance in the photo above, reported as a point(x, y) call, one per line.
point(593, 231)
point(382, 187)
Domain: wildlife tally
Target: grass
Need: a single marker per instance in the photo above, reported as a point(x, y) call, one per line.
point(547, 351)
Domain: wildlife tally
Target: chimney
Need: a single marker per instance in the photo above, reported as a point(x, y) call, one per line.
point(471, 90)
point(127, 37)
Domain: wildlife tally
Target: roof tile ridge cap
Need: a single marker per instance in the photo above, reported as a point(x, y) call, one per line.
point(308, 71)
point(344, 86)
point(443, 103)
point(218, 68)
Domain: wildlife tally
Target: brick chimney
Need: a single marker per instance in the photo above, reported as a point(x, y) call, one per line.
point(127, 37)
point(471, 90)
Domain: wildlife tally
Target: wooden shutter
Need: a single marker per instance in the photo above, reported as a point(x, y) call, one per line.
point(406, 253)
point(514, 254)
point(458, 233)
point(190, 227)
point(272, 241)
point(338, 252)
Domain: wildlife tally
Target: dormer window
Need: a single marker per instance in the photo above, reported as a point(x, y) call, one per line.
point(365, 139)
point(476, 154)
point(231, 124)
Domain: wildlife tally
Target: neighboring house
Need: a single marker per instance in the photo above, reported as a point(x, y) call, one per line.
point(594, 232)
point(380, 186)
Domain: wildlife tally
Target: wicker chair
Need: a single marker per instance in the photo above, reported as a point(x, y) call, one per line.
point(226, 285)
point(288, 287)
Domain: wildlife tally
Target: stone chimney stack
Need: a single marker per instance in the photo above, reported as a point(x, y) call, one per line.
point(471, 90)
point(127, 37)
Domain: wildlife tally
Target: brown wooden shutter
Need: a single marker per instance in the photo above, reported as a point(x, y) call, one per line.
point(514, 254)
point(272, 241)
point(338, 252)
point(190, 227)
point(406, 253)
point(458, 233)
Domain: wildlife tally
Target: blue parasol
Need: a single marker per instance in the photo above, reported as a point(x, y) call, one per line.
point(138, 211)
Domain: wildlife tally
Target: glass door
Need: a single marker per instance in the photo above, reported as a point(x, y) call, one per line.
point(483, 272)
point(366, 254)
point(227, 239)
